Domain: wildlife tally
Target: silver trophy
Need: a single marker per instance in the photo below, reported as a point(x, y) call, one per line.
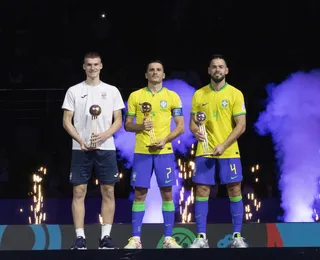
point(200, 118)
point(95, 111)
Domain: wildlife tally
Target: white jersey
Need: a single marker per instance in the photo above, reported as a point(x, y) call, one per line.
point(80, 98)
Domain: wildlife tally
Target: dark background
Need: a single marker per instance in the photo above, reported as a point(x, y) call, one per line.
point(42, 44)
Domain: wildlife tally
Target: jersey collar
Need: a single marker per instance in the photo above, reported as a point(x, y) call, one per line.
point(223, 87)
point(148, 90)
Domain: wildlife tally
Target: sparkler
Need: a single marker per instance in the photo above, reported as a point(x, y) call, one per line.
point(186, 198)
point(254, 205)
point(36, 208)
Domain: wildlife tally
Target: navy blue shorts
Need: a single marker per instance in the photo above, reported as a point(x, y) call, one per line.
point(103, 162)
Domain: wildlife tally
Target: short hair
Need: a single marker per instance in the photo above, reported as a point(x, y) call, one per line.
point(218, 56)
point(154, 61)
point(91, 55)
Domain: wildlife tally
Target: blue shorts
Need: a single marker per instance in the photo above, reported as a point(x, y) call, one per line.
point(163, 166)
point(230, 170)
point(103, 162)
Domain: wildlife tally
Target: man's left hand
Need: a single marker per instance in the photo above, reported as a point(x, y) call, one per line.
point(219, 150)
point(100, 138)
point(160, 144)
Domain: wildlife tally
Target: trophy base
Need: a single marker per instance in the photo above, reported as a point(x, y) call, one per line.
point(92, 146)
point(207, 154)
point(151, 145)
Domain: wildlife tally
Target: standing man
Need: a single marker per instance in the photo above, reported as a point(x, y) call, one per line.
point(101, 158)
point(225, 112)
point(159, 158)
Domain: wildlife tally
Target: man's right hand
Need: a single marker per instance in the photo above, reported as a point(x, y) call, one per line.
point(147, 124)
point(84, 146)
point(200, 137)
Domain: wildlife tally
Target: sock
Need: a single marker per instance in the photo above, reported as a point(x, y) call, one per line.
point(236, 234)
point(105, 230)
point(202, 235)
point(137, 238)
point(138, 209)
point(236, 210)
point(201, 213)
point(166, 238)
point(168, 217)
point(80, 232)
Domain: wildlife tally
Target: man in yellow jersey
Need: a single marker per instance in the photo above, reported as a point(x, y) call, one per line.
point(159, 157)
point(225, 122)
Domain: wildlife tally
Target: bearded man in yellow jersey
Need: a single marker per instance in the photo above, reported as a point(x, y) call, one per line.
point(225, 122)
point(159, 157)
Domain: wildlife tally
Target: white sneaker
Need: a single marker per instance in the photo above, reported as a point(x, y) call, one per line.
point(170, 243)
point(238, 242)
point(200, 243)
point(134, 243)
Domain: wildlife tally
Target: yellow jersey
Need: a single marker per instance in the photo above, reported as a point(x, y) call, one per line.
point(220, 108)
point(165, 104)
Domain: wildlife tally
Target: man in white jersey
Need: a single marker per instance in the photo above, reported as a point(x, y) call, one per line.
point(102, 159)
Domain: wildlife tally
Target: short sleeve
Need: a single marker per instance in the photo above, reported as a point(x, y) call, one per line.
point(194, 105)
point(132, 109)
point(69, 101)
point(176, 107)
point(118, 101)
point(239, 107)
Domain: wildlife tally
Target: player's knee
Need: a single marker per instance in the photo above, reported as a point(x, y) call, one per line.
point(140, 194)
point(107, 192)
point(79, 192)
point(166, 193)
point(234, 189)
point(202, 190)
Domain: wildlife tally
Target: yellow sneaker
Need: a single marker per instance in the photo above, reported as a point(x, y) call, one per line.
point(134, 243)
point(170, 243)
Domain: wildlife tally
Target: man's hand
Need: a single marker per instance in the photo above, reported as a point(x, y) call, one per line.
point(84, 146)
point(147, 124)
point(219, 150)
point(200, 137)
point(160, 144)
point(99, 138)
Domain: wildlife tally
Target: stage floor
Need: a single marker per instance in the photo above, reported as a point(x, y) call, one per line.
point(61, 237)
point(161, 254)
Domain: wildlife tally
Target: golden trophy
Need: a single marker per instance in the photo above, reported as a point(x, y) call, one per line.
point(200, 117)
point(95, 111)
point(146, 109)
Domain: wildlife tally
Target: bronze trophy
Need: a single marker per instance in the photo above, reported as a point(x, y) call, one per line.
point(200, 118)
point(95, 111)
point(146, 109)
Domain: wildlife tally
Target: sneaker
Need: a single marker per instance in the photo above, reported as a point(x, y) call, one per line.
point(200, 243)
point(79, 244)
point(170, 243)
point(238, 242)
point(134, 243)
point(107, 243)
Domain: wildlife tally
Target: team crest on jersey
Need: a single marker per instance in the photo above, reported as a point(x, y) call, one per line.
point(103, 95)
point(224, 103)
point(163, 103)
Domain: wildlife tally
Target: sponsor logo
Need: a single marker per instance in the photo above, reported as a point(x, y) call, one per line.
point(183, 236)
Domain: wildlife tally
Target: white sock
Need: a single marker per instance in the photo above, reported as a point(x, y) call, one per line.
point(166, 238)
point(105, 230)
point(236, 234)
point(80, 232)
point(137, 238)
point(203, 235)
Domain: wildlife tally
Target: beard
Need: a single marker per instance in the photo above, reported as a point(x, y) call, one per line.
point(217, 79)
